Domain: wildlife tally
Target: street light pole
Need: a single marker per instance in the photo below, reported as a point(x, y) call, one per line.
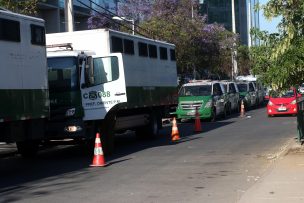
point(234, 52)
point(69, 15)
point(125, 19)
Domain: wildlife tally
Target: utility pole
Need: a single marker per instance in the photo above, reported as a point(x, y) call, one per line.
point(69, 15)
point(249, 22)
point(234, 51)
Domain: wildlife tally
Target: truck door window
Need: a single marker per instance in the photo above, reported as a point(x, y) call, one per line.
point(105, 70)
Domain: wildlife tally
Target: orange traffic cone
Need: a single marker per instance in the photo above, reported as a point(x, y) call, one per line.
point(98, 159)
point(198, 127)
point(242, 109)
point(175, 133)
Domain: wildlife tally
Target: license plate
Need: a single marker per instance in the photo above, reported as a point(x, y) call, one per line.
point(282, 108)
point(191, 113)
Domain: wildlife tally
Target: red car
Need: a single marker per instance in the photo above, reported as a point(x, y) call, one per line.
point(282, 103)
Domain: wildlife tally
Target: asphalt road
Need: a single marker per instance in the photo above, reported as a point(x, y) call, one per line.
point(217, 165)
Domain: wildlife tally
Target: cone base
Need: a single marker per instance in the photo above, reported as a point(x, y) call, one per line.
point(175, 139)
point(98, 165)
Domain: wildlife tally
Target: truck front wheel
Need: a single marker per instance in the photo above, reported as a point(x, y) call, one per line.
point(107, 134)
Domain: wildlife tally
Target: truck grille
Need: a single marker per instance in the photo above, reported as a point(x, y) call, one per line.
point(191, 105)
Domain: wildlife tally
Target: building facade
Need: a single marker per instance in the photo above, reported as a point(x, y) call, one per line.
point(220, 11)
point(52, 11)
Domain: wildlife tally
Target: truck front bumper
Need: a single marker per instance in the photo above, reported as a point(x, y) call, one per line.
point(73, 128)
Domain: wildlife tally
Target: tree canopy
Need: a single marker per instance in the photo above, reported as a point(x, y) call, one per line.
point(28, 7)
point(280, 59)
point(203, 47)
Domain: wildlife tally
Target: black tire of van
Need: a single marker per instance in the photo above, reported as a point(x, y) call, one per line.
point(213, 115)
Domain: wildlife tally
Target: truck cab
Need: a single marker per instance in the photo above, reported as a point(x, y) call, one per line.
point(208, 97)
point(83, 87)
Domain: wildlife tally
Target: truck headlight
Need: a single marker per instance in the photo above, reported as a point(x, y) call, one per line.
point(208, 104)
point(70, 112)
point(294, 102)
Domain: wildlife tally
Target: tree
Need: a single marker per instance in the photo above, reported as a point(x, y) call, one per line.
point(27, 7)
point(199, 46)
point(279, 61)
point(243, 58)
point(138, 10)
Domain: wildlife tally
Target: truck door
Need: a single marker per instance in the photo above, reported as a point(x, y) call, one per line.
point(103, 85)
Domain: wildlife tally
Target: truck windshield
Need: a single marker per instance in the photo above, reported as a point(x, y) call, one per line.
point(201, 90)
point(242, 87)
point(62, 73)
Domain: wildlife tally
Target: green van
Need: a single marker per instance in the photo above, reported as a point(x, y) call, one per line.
point(247, 94)
point(208, 97)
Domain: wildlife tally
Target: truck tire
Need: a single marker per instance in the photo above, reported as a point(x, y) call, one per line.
point(107, 134)
point(28, 149)
point(150, 130)
point(107, 139)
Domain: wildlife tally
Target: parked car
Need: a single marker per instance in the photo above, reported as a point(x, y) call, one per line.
point(282, 102)
point(233, 95)
point(247, 94)
point(207, 96)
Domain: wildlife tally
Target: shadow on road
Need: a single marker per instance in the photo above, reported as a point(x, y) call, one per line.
point(53, 162)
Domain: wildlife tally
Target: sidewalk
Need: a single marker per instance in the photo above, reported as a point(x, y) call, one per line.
point(284, 183)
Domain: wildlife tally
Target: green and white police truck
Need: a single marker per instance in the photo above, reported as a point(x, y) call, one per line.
point(108, 81)
point(24, 102)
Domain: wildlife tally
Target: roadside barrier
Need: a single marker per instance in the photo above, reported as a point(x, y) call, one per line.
point(197, 126)
point(174, 133)
point(242, 109)
point(98, 159)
